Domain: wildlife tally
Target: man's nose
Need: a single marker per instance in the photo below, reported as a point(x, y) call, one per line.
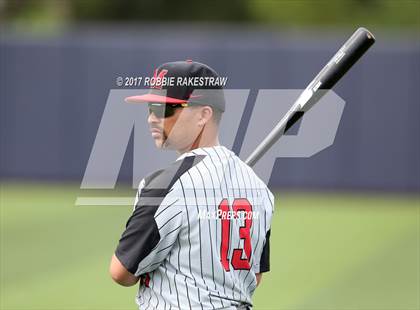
point(152, 118)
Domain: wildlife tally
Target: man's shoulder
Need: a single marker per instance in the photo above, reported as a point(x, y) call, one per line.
point(164, 179)
point(257, 181)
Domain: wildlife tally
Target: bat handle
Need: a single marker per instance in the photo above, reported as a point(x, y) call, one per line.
point(265, 145)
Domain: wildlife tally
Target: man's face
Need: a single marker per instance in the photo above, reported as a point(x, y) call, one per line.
point(177, 132)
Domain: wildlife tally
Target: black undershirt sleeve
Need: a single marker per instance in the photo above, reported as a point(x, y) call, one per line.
point(139, 238)
point(265, 255)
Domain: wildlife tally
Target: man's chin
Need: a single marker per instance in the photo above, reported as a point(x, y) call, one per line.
point(161, 144)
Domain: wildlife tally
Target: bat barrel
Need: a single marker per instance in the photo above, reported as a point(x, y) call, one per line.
point(361, 40)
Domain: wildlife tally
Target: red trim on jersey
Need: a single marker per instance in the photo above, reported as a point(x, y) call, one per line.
point(146, 280)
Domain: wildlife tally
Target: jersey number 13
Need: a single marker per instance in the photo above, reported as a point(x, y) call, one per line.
point(240, 206)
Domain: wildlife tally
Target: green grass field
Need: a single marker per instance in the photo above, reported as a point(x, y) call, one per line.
point(329, 251)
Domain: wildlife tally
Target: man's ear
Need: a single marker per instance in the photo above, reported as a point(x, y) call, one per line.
point(206, 114)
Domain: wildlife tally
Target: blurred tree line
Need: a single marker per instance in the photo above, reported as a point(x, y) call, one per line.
point(288, 13)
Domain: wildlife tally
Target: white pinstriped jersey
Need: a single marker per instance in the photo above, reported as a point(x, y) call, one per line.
point(199, 232)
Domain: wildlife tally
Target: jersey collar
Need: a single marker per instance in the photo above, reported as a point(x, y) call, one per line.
point(202, 151)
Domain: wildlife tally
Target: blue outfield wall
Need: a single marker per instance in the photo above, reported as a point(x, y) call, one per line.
point(54, 89)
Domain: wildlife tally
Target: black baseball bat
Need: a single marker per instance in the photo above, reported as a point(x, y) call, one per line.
point(338, 65)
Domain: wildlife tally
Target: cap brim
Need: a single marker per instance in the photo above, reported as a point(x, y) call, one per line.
point(153, 98)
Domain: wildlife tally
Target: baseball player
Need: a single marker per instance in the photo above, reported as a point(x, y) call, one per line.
point(199, 234)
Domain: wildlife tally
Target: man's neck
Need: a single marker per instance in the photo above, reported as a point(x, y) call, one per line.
point(194, 146)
